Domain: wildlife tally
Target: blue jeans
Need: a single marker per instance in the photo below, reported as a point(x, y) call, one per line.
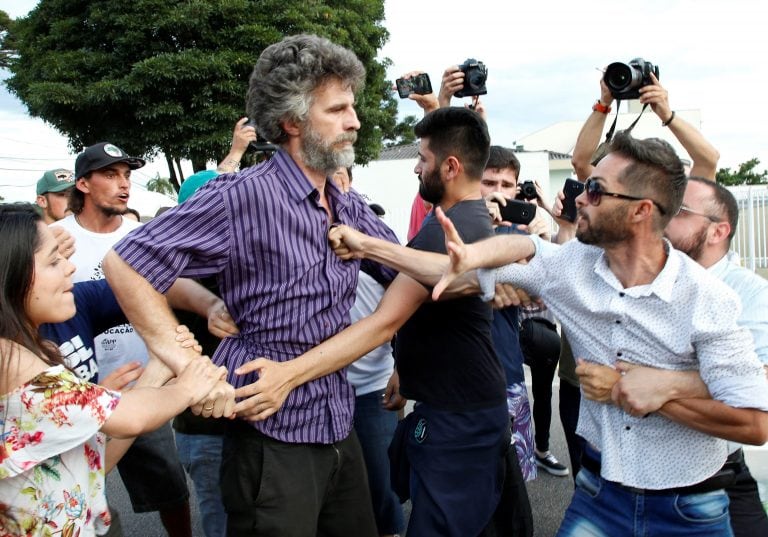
point(601, 508)
point(375, 427)
point(200, 455)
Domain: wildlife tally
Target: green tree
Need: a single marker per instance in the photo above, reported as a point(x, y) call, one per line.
point(745, 175)
point(403, 132)
point(159, 76)
point(6, 52)
point(161, 184)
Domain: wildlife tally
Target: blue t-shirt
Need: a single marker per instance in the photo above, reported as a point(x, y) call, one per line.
point(506, 332)
point(97, 310)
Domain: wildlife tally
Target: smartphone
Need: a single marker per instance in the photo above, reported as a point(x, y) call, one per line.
point(419, 84)
point(517, 212)
point(571, 190)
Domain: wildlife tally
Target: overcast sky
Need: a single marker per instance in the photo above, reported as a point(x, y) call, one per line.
point(542, 58)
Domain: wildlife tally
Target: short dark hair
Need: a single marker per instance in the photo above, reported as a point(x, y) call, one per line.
point(723, 204)
point(503, 158)
point(655, 172)
point(286, 74)
point(459, 132)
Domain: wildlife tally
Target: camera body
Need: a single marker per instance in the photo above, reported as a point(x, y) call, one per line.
point(475, 75)
point(527, 191)
point(419, 84)
point(625, 79)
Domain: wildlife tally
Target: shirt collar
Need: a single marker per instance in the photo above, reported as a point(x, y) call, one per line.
point(661, 286)
point(298, 184)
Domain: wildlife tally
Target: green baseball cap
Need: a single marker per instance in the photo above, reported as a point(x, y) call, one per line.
point(55, 181)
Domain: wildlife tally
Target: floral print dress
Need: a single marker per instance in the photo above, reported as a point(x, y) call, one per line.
point(52, 456)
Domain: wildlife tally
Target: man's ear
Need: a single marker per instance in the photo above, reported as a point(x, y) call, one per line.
point(42, 201)
point(720, 232)
point(452, 167)
point(290, 126)
point(82, 185)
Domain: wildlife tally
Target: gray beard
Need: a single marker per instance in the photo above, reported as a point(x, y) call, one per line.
point(321, 156)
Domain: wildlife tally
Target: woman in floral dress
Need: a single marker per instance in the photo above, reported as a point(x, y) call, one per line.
point(52, 424)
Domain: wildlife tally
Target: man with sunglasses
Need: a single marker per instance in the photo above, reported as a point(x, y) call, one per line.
point(622, 292)
point(703, 229)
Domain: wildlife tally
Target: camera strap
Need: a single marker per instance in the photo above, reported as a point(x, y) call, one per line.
point(609, 134)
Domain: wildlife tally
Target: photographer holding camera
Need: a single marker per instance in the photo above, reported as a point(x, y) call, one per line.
point(465, 80)
point(703, 154)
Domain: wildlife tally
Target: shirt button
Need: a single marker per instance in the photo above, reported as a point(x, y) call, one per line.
point(627, 428)
point(622, 294)
point(619, 353)
point(618, 321)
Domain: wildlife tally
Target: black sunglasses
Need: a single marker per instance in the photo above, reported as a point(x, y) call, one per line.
point(595, 192)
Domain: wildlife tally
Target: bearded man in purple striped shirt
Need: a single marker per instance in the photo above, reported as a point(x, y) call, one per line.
point(262, 231)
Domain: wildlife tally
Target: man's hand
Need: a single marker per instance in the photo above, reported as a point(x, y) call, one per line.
point(427, 101)
point(493, 201)
point(596, 380)
point(508, 295)
point(220, 401)
point(453, 81)
point(65, 239)
point(121, 377)
point(605, 94)
point(392, 399)
point(566, 230)
point(655, 95)
point(203, 383)
point(265, 396)
point(220, 322)
point(346, 243)
point(643, 390)
point(242, 136)
point(186, 339)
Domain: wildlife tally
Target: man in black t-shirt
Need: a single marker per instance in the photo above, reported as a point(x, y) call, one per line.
point(449, 454)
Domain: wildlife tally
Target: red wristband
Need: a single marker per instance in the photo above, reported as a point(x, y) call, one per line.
point(600, 107)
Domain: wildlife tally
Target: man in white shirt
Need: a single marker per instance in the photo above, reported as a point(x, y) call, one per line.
point(150, 469)
point(703, 229)
point(622, 292)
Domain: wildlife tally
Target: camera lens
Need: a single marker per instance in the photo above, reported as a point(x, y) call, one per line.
point(618, 76)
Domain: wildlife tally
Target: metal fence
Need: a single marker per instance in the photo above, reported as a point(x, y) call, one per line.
point(752, 230)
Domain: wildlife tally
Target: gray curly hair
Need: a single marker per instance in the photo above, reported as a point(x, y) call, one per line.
point(287, 73)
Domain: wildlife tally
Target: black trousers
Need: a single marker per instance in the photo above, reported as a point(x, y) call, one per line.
point(294, 490)
point(748, 517)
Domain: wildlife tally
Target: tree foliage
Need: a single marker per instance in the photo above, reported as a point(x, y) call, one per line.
point(403, 133)
point(170, 76)
point(161, 185)
point(745, 175)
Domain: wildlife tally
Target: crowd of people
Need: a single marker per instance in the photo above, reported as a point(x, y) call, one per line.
point(276, 319)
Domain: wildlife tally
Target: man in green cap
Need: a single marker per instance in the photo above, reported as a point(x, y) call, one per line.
point(52, 193)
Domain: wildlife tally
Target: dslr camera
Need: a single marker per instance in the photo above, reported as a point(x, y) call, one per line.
point(475, 75)
point(527, 191)
point(625, 79)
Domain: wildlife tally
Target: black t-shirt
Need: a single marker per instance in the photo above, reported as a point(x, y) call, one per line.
point(444, 352)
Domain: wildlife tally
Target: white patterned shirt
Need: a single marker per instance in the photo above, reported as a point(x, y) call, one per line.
point(686, 319)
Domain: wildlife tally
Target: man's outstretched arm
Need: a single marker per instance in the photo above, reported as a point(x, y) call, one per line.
point(454, 271)
point(276, 379)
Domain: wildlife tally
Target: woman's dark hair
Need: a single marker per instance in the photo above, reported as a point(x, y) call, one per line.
point(20, 241)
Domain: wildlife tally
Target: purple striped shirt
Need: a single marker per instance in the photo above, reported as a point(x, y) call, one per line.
point(264, 233)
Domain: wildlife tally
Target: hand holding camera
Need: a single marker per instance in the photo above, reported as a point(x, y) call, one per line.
point(655, 95)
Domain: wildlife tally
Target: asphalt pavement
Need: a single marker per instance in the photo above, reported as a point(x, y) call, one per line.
point(549, 495)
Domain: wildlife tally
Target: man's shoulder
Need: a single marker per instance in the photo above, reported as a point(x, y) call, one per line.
point(68, 222)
